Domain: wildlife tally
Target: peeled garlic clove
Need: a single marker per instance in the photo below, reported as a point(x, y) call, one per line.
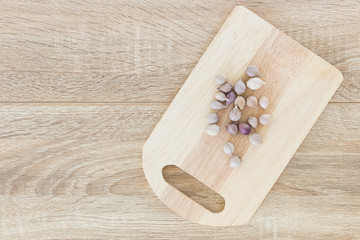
point(235, 162)
point(213, 130)
point(264, 102)
point(264, 119)
point(240, 102)
point(252, 71)
point(244, 129)
point(240, 87)
point(220, 96)
point(251, 101)
point(212, 118)
point(229, 148)
point(220, 78)
point(230, 98)
point(235, 114)
point(255, 83)
point(232, 129)
point(253, 122)
point(255, 139)
point(217, 105)
point(225, 88)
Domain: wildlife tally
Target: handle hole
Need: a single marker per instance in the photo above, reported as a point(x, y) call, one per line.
point(193, 188)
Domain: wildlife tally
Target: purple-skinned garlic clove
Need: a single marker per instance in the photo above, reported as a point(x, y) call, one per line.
point(244, 129)
point(240, 87)
point(252, 71)
point(216, 105)
point(229, 148)
point(253, 122)
point(220, 96)
point(255, 139)
point(240, 102)
point(230, 98)
point(232, 129)
point(225, 88)
point(251, 101)
point(220, 78)
point(235, 114)
point(264, 119)
point(235, 162)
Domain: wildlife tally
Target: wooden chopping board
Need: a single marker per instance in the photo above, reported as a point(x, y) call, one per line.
point(299, 85)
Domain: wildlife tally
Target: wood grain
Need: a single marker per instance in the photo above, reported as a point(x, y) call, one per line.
point(73, 171)
point(336, 131)
point(79, 49)
point(91, 185)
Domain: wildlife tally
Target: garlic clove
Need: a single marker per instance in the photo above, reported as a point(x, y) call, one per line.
point(235, 162)
point(251, 101)
point(220, 96)
point(230, 98)
point(225, 88)
point(217, 105)
point(229, 148)
point(255, 83)
point(213, 130)
point(253, 122)
point(244, 129)
point(240, 102)
point(264, 119)
point(264, 102)
point(220, 78)
point(235, 114)
point(212, 118)
point(232, 129)
point(255, 139)
point(240, 87)
point(252, 71)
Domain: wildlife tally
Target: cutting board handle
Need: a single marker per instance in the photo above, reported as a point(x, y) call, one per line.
point(181, 204)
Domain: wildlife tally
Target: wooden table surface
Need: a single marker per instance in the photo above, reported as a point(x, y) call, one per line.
point(82, 84)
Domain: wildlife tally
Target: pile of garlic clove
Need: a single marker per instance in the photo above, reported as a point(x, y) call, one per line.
point(228, 95)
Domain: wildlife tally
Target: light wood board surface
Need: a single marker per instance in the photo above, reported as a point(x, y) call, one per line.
point(82, 84)
point(298, 84)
